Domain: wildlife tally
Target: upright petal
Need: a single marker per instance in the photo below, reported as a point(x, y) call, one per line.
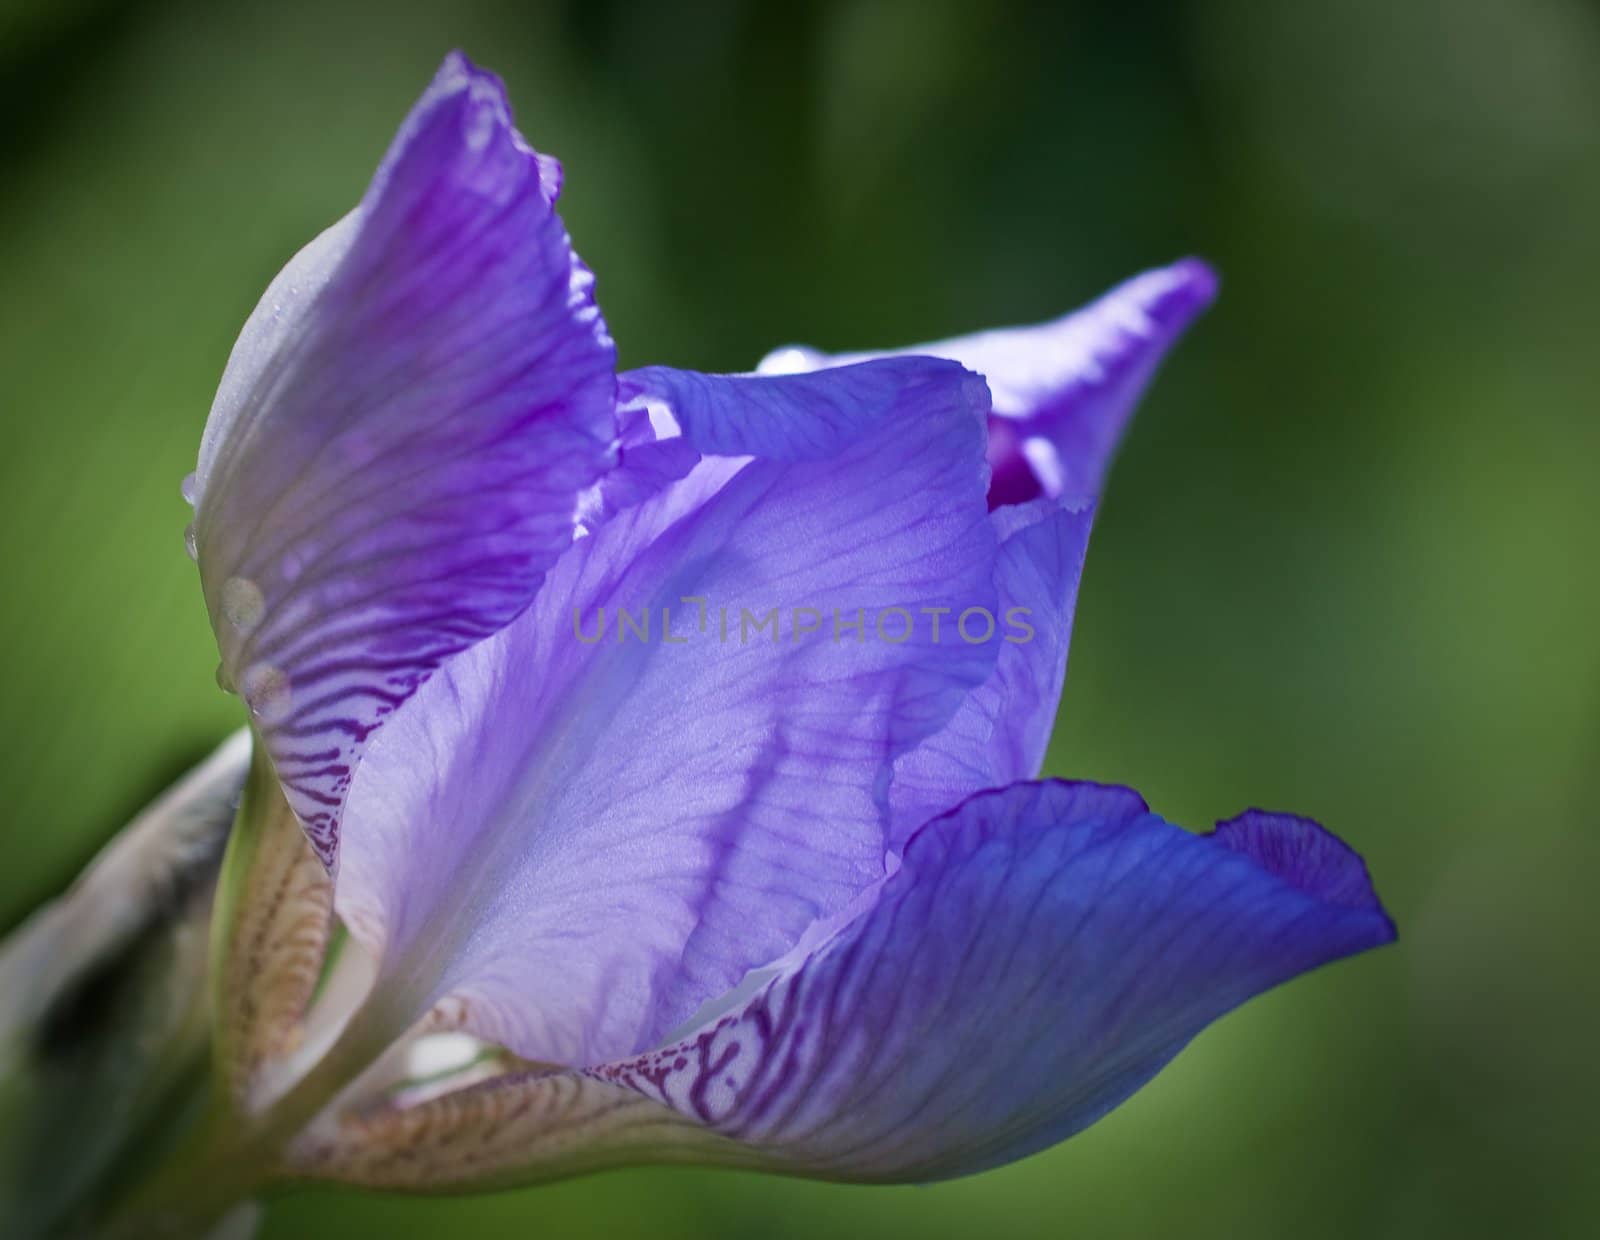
point(1063, 391)
point(397, 447)
point(803, 417)
point(679, 757)
point(668, 418)
point(1002, 729)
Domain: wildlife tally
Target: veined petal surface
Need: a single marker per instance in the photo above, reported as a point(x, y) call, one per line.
point(1063, 391)
point(1002, 729)
point(396, 450)
point(668, 418)
point(679, 757)
point(800, 417)
point(1042, 952)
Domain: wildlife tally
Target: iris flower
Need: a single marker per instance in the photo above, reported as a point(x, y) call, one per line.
point(669, 743)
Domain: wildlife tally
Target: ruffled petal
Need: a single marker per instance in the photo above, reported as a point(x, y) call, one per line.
point(679, 757)
point(668, 418)
point(1063, 391)
point(1042, 952)
point(396, 450)
point(801, 417)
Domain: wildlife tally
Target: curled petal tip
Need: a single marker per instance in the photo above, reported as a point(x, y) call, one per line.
point(483, 92)
point(484, 112)
point(1305, 855)
point(1141, 317)
point(1062, 390)
point(1163, 302)
point(458, 75)
point(1195, 285)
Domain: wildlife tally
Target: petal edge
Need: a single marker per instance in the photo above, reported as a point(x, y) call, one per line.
point(398, 444)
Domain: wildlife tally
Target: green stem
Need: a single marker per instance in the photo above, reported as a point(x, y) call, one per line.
point(229, 1158)
point(233, 1154)
point(189, 1194)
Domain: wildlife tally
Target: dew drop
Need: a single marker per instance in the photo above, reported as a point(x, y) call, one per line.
point(785, 361)
point(242, 603)
point(224, 681)
point(187, 489)
point(190, 543)
point(266, 692)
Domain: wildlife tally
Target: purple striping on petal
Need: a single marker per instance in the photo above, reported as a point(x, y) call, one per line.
point(1002, 729)
point(1042, 952)
point(397, 448)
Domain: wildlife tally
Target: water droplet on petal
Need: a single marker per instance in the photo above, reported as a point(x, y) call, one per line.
point(224, 681)
point(242, 603)
point(190, 543)
point(266, 692)
point(789, 360)
point(187, 488)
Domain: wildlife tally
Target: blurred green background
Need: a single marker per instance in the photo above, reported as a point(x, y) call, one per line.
point(1348, 564)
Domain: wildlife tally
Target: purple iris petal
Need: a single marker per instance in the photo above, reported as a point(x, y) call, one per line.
point(1062, 395)
point(1063, 391)
point(645, 465)
point(1042, 952)
point(1000, 733)
point(678, 678)
point(582, 832)
point(397, 447)
point(790, 418)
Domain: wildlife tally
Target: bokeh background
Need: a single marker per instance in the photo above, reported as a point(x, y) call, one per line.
point(1348, 563)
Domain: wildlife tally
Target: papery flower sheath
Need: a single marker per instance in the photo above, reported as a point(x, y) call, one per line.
point(677, 736)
